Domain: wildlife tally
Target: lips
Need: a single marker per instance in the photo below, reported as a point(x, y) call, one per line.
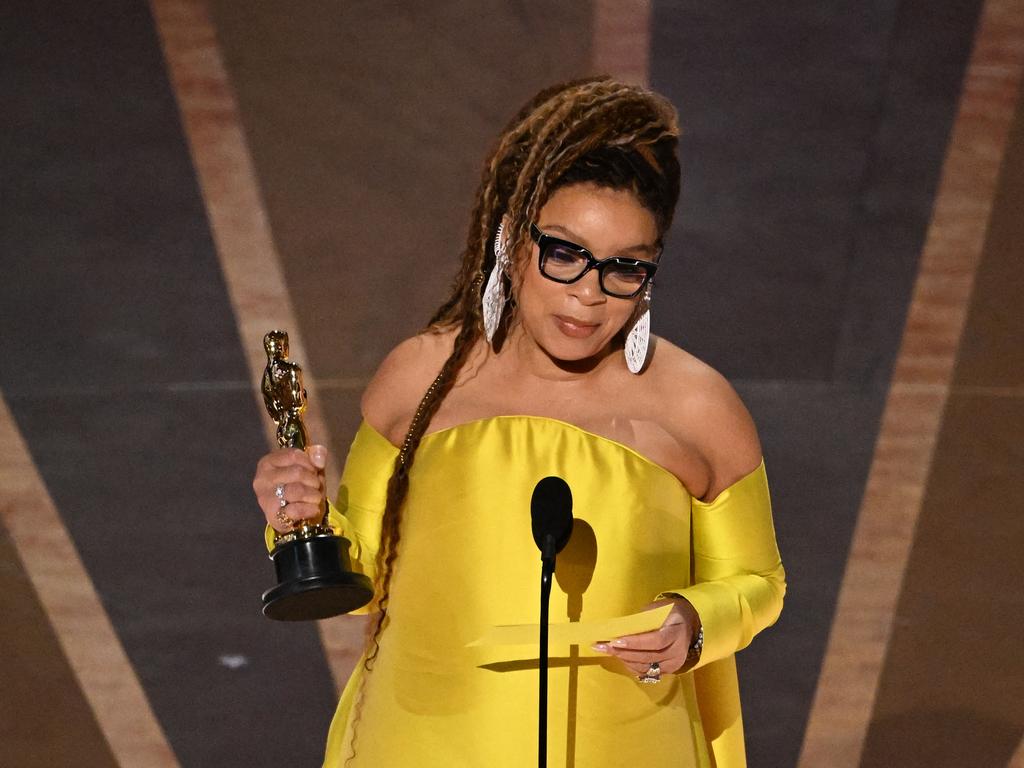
point(574, 327)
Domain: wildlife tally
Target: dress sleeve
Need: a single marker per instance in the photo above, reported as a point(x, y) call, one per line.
point(360, 526)
point(358, 508)
point(739, 582)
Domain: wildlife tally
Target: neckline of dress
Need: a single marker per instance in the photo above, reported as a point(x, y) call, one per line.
point(545, 420)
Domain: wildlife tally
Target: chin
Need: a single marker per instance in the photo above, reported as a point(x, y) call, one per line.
point(576, 353)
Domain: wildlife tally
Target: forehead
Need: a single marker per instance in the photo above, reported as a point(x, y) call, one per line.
point(601, 219)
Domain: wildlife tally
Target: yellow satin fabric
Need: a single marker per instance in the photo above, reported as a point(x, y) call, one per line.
point(468, 561)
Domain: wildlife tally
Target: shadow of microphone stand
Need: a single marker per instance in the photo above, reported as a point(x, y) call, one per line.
point(573, 573)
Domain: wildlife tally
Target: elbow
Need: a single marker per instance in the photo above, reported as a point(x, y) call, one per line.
point(776, 581)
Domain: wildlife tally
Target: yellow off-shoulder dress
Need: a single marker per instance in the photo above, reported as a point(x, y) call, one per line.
point(468, 562)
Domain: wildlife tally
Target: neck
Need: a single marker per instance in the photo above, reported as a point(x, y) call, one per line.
point(530, 359)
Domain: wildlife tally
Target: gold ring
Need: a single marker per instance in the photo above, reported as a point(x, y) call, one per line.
point(283, 518)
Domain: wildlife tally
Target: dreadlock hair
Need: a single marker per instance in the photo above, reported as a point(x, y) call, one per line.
point(594, 130)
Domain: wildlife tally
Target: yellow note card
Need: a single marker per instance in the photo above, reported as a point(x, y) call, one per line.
point(578, 633)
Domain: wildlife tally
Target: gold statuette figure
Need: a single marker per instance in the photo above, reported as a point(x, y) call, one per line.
point(314, 578)
point(283, 393)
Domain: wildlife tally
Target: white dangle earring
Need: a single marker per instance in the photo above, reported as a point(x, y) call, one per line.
point(639, 336)
point(494, 293)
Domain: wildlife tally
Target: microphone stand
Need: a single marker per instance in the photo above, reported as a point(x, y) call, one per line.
point(551, 521)
point(546, 571)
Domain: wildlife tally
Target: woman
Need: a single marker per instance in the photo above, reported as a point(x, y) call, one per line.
point(540, 363)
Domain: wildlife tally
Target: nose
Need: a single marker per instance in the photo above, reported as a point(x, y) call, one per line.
point(587, 290)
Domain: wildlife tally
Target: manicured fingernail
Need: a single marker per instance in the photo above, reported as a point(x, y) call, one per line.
point(600, 647)
point(620, 643)
point(318, 454)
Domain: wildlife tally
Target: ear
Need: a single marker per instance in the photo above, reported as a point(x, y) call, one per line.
point(519, 261)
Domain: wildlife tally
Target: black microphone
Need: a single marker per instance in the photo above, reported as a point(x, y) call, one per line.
point(551, 519)
point(551, 513)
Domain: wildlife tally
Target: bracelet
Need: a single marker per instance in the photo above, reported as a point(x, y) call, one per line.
point(693, 653)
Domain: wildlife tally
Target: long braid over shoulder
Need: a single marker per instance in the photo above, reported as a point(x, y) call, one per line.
point(594, 130)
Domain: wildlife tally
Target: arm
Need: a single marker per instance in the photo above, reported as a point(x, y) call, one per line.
point(738, 579)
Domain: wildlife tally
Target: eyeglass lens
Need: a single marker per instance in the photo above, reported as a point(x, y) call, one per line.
point(563, 263)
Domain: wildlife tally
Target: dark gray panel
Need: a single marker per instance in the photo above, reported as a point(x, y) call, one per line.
point(813, 138)
point(818, 442)
point(814, 134)
point(779, 104)
point(928, 51)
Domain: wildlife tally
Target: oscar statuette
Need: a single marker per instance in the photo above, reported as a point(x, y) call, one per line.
point(314, 575)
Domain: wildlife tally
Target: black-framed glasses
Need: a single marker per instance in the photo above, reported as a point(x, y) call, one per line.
point(566, 262)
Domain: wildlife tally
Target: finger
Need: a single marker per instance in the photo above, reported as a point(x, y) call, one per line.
point(302, 511)
point(296, 513)
point(285, 457)
point(655, 640)
point(293, 494)
point(298, 474)
point(290, 493)
point(298, 493)
point(280, 467)
point(667, 666)
point(640, 657)
point(635, 668)
point(265, 482)
point(318, 455)
point(641, 663)
point(664, 658)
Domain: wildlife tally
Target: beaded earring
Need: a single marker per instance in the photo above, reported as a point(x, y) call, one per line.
point(639, 336)
point(494, 293)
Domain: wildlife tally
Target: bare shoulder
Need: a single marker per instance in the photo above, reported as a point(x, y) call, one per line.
point(394, 392)
point(703, 410)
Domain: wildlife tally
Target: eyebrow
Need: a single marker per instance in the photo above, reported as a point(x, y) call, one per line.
point(568, 234)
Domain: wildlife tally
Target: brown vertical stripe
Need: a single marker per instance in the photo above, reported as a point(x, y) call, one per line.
point(242, 235)
point(81, 625)
point(889, 512)
point(622, 39)
point(952, 689)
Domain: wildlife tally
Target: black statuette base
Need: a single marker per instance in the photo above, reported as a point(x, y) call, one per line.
point(314, 581)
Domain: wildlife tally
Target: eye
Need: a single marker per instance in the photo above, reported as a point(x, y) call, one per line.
point(627, 273)
point(563, 255)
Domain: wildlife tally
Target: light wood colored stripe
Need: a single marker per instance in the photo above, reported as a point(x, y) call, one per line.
point(1017, 761)
point(241, 231)
point(74, 610)
point(622, 39)
point(862, 626)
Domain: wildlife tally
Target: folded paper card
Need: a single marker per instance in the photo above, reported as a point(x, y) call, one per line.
point(578, 633)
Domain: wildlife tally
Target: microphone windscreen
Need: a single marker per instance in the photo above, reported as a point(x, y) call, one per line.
point(551, 512)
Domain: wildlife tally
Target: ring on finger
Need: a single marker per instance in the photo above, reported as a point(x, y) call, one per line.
point(279, 492)
point(282, 517)
point(652, 675)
